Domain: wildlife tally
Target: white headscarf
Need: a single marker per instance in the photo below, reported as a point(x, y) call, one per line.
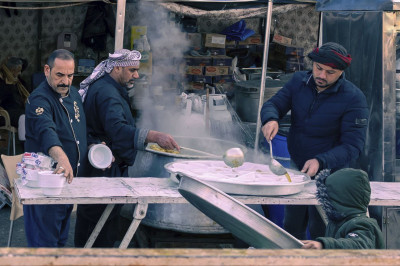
point(122, 58)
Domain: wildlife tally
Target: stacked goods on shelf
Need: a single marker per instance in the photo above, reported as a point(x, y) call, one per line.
point(286, 58)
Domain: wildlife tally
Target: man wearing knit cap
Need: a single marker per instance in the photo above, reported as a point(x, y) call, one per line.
point(109, 119)
point(329, 119)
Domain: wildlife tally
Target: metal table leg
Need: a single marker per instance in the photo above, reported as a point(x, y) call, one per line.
point(99, 225)
point(138, 214)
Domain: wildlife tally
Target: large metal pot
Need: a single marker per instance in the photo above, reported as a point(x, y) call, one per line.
point(179, 217)
point(247, 95)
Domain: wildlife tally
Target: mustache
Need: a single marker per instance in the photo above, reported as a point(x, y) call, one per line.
point(62, 86)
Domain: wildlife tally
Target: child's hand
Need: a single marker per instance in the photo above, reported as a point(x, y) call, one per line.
point(310, 244)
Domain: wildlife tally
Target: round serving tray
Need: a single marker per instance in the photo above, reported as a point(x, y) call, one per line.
point(234, 216)
point(248, 179)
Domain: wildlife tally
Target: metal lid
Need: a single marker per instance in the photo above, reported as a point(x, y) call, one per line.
point(240, 220)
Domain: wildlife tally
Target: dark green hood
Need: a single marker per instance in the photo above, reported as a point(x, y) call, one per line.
point(344, 193)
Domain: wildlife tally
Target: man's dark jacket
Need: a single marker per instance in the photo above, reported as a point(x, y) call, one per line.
point(109, 119)
point(345, 196)
point(329, 126)
point(52, 120)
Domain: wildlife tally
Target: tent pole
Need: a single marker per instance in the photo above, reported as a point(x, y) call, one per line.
point(119, 26)
point(263, 73)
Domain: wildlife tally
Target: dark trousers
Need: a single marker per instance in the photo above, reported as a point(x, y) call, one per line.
point(87, 216)
point(298, 217)
point(47, 225)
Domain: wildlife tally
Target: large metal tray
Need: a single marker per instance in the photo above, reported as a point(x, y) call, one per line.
point(240, 220)
point(248, 179)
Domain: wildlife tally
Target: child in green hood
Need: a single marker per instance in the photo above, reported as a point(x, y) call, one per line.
point(344, 196)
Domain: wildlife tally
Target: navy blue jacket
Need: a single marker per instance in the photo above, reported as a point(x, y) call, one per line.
point(109, 119)
point(55, 121)
point(329, 126)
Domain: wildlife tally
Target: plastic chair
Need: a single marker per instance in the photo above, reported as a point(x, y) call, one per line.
point(11, 130)
point(5, 189)
point(10, 164)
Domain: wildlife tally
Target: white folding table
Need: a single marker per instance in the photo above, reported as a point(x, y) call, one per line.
point(146, 190)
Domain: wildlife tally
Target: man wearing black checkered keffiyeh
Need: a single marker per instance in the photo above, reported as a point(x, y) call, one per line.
point(109, 120)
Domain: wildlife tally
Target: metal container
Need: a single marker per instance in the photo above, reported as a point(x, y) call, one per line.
point(247, 95)
point(179, 217)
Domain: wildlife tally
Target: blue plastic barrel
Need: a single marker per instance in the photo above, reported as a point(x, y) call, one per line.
point(280, 150)
point(281, 154)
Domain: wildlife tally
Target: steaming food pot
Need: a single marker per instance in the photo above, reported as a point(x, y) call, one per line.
point(179, 217)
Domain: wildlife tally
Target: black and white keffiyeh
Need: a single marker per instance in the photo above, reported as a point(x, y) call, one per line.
point(122, 58)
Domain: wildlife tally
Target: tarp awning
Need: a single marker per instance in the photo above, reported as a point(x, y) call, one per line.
point(238, 13)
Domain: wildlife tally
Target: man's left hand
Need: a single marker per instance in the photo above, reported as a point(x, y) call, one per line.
point(311, 167)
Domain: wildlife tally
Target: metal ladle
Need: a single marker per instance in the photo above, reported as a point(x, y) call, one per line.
point(233, 157)
point(276, 167)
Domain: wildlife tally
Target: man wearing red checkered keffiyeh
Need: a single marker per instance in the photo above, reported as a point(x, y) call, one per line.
point(109, 120)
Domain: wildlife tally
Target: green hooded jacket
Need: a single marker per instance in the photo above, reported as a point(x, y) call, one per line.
point(345, 196)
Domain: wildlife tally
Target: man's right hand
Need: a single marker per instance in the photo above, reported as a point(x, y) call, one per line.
point(63, 164)
point(310, 244)
point(164, 140)
point(270, 130)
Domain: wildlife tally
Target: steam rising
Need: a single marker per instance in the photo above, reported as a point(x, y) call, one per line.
point(159, 103)
point(161, 107)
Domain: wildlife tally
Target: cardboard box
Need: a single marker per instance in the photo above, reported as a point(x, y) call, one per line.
point(188, 78)
point(281, 39)
point(288, 66)
point(254, 39)
point(195, 86)
point(201, 78)
point(195, 70)
point(217, 51)
point(215, 40)
point(198, 60)
point(194, 39)
point(221, 60)
point(285, 58)
point(223, 79)
point(136, 32)
point(230, 44)
point(217, 70)
point(285, 49)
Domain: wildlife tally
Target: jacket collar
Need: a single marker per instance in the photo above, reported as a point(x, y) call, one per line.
point(309, 81)
point(121, 89)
